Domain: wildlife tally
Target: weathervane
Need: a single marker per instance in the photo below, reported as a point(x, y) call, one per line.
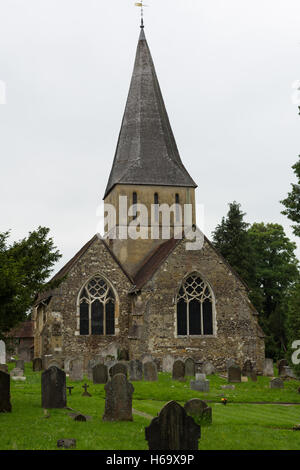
point(141, 5)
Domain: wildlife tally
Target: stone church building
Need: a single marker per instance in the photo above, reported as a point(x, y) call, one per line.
point(146, 296)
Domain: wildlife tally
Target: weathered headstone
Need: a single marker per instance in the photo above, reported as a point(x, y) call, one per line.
point(100, 374)
point(200, 376)
point(173, 429)
point(287, 371)
point(135, 370)
point(5, 405)
point(208, 368)
point(200, 385)
point(178, 372)
point(167, 363)
point(54, 388)
point(150, 371)
point(234, 374)
point(281, 364)
point(20, 364)
point(189, 367)
point(268, 368)
point(253, 376)
point(118, 368)
point(276, 383)
point(66, 443)
point(16, 372)
point(199, 411)
point(2, 352)
point(118, 400)
point(37, 364)
point(76, 370)
point(248, 368)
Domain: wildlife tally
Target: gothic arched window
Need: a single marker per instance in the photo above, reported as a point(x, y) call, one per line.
point(97, 308)
point(194, 307)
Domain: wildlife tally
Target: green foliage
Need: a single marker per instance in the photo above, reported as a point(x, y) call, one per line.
point(24, 268)
point(293, 323)
point(292, 201)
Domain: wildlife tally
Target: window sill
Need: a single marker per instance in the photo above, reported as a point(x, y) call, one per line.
point(196, 336)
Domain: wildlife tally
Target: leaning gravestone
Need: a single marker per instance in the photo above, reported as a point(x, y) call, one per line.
point(100, 374)
point(173, 429)
point(189, 367)
point(37, 364)
point(2, 352)
point(167, 363)
point(247, 368)
point(200, 385)
point(150, 371)
point(76, 370)
point(5, 405)
point(234, 374)
point(118, 400)
point(135, 370)
point(268, 368)
point(208, 368)
point(20, 364)
point(54, 388)
point(118, 368)
point(199, 411)
point(276, 383)
point(178, 370)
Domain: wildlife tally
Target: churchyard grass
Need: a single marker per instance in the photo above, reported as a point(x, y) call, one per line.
point(235, 426)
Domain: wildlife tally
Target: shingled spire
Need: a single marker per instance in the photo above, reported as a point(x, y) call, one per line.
point(146, 152)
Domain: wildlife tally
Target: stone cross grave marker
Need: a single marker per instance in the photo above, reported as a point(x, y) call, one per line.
point(70, 390)
point(100, 374)
point(54, 388)
point(199, 411)
point(86, 393)
point(150, 371)
point(5, 405)
point(135, 370)
point(118, 400)
point(173, 429)
point(178, 372)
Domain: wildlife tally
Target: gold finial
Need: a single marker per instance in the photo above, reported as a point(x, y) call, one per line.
point(141, 5)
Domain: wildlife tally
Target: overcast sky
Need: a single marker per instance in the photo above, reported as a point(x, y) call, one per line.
point(226, 69)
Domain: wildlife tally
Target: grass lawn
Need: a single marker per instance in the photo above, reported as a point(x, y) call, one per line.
point(236, 426)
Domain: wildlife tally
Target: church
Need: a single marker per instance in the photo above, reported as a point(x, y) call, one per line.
point(139, 296)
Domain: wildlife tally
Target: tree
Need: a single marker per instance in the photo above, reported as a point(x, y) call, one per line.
point(293, 323)
point(24, 268)
point(276, 272)
point(232, 241)
point(292, 202)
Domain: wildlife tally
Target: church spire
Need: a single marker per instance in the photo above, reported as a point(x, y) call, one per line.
point(146, 152)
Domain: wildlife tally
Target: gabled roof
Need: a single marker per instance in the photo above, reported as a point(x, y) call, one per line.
point(146, 152)
point(66, 268)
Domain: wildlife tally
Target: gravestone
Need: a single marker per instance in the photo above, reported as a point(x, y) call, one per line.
point(100, 374)
point(147, 358)
point(118, 368)
point(199, 411)
point(200, 376)
point(5, 405)
point(54, 388)
point(67, 443)
point(135, 370)
point(247, 368)
point(150, 371)
point(118, 400)
point(276, 383)
point(178, 370)
point(268, 368)
point(76, 370)
point(86, 393)
point(208, 368)
point(4, 368)
point(2, 352)
point(287, 371)
point(173, 429)
point(123, 355)
point(16, 372)
point(37, 364)
point(200, 385)
point(167, 363)
point(253, 376)
point(20, 364)
point(234, 374)
point(189, 367)
point(281, 364)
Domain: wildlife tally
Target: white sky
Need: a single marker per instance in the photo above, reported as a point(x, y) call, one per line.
point(226, 69)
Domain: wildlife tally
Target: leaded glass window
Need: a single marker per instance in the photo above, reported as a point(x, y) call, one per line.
point(97, 308)
point(194, 307)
